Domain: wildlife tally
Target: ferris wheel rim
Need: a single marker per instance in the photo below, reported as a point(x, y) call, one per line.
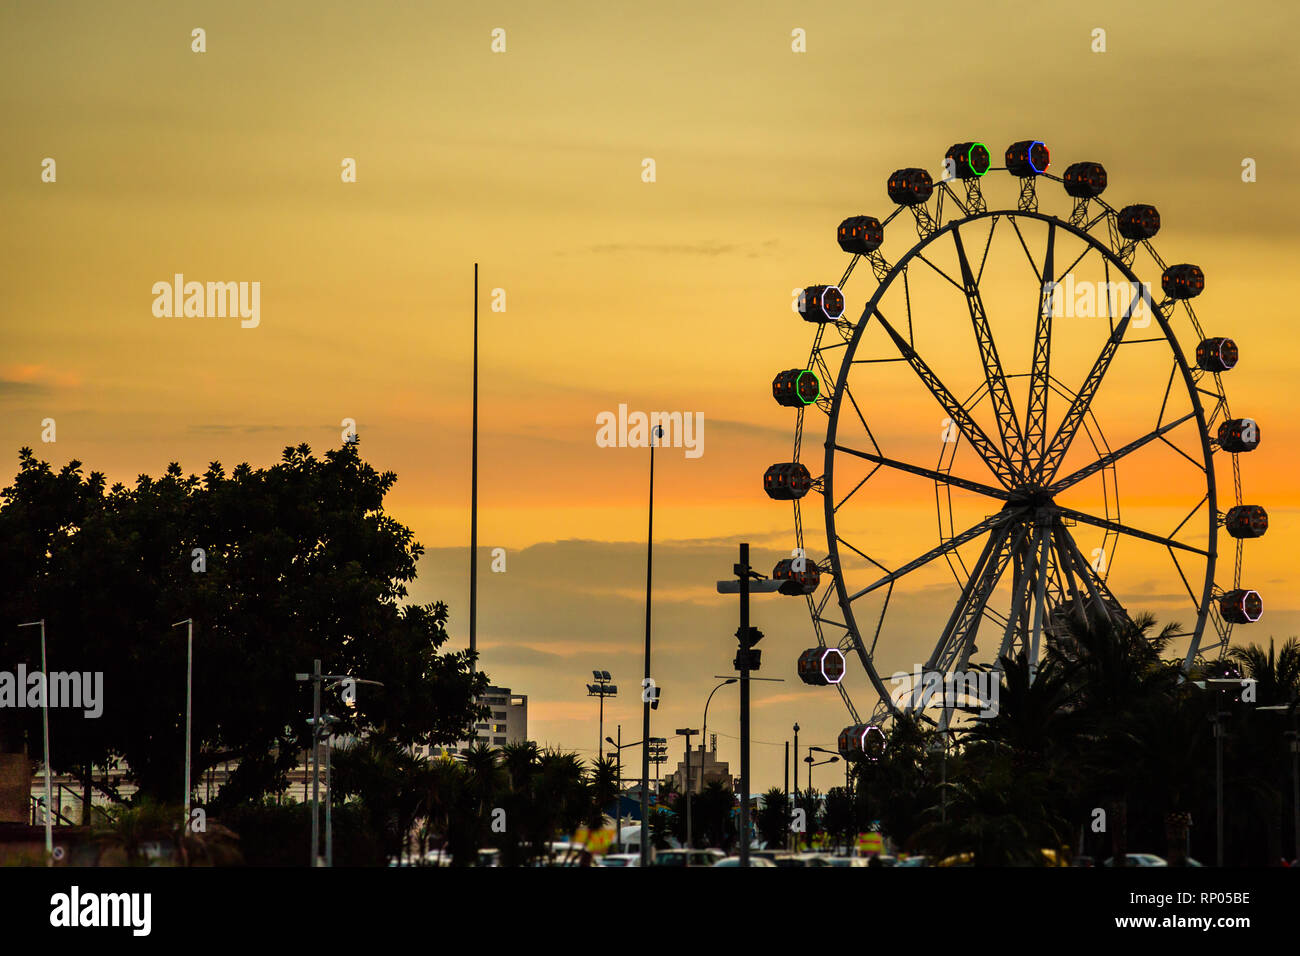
point(1112, 257)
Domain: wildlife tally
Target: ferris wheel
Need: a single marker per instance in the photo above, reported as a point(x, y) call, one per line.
point(1009, 373)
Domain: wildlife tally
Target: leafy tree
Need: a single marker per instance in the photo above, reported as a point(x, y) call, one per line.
point(298, 561)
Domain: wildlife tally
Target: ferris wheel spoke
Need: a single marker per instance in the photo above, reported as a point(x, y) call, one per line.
point(954, 647)
point(1125, 529)
point(930, 473)
point(1040, 375)
point(993, 457)
point(1022, 581)
point(1051, 460)
point(948, 546)
point(994, 376)
point(1105, 602)
point(1105, 461)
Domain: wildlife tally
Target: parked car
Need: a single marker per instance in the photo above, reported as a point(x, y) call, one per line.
point(919, 860)
point(621, 859)
point(849, 861)
point(753, 861)
point(1137, 859)
point(687, 857)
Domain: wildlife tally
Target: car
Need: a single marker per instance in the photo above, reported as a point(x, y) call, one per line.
point(849, 861)
point(621, 859)
point(918, 860)
point(687, 857)
point(753, 861)
point(1137, 859)
point(785, 860)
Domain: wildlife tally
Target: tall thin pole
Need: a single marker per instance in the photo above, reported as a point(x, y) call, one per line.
point(329, 802)
point(690, 836)
point(1218, 782)
point(618, 802)
point(600, 751)
point(473, 497)
point(189, 710)
point(647, 687)
point(744, 704)
point(49, 791)
point(794, 838)
point(1295, 778)
point(315, 763)
point(45, 721)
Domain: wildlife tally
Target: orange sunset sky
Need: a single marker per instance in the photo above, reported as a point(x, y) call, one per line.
point(671, 295)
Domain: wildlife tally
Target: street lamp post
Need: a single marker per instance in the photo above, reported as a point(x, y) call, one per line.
point(704, 732)
point(809, 760)
point(45, 721)
point(1220, 732)
point(189, 710)
point(687, 732)
point(336, 681)
point(834, 759)
point(1293, 738)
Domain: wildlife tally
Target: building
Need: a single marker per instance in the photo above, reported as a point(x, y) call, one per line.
point(706, 768)
point(507, 723)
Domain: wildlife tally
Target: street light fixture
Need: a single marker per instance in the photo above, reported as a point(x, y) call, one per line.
point(834, 758)
point(809, 760)
point(317, 680)
point(704, 732)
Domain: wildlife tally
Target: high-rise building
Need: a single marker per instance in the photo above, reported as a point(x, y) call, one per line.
point(506, 724)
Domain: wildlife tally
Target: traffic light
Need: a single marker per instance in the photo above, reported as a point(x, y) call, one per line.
point(747, 655)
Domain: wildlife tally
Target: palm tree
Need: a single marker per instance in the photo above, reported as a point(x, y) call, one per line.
point(774, 818)
point(604, 790)
point(1276, 676)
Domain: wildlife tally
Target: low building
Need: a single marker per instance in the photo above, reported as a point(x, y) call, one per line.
point(706, 768)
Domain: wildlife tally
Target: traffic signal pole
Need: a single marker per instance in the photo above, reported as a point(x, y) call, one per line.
point(742, 571)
